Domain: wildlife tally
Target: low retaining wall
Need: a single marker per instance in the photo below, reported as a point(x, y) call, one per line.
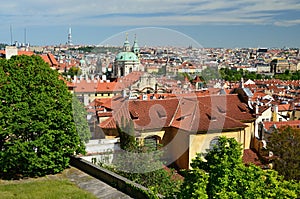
point(123, 184)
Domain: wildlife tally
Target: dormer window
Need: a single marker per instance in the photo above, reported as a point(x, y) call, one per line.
point(211, 117)
point(134, 115)
point(161, 113)
point(182, 117)
point(221, 109)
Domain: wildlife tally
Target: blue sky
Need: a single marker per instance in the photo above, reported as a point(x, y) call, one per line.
point(218, 23)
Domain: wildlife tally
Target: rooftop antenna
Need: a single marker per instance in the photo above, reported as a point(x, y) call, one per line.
point(70, 36)
point(11, 35)
point(24, 36)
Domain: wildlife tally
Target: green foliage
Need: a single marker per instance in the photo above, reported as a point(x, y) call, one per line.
point(232, 75)
point(210, 73)
point(127, 135)
point(285, 143)
point(86, 49)
point(2, 46)
point(43, 188)
point(142, 163)
point(194, 185)
point(80, 119)
point(223, 175)
point(148, 194)
point(73, 71)
point(139, 165)
point(37, 130)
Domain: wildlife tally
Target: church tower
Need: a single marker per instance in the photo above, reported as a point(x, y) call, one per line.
point(126, 61)
point(135, 48)
point(126, 45)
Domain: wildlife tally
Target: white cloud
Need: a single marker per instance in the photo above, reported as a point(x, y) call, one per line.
point(146, 12)
point(287, 23)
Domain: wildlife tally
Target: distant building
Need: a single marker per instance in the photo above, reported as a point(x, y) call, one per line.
point(263, 68)
point(279, 65)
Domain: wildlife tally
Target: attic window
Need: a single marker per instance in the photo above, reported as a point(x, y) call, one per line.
point(134, 115)
point(211, 117)
point(221, 109)
point(161, 113)
point(182, 117)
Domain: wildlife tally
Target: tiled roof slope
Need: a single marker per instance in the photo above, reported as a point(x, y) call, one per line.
point(197, 114)
point(194, 116)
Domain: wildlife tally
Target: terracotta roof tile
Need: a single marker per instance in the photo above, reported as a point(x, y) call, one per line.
point(28, 53)
point(104, 87)
point(284, 107)
point(291, 123)
point(250, 157)
point(196, 114)
point(85, 86)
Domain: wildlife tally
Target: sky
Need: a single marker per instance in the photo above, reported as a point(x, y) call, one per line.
point(206, 23)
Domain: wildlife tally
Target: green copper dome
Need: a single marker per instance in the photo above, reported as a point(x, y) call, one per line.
point(126, 56)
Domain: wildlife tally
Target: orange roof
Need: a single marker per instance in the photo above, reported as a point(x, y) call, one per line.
point(29, 53)
point(46, 59)
point(258, 94)
point(196, 114)
point(284, 107)
point(52, 59)
point(291, 123)
point(85, 86)
point(104, 87)
point(20, 52)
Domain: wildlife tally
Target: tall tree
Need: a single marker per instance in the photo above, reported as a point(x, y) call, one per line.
point(141, 162)
point(228, 177)
point(80, 119)
point(285, 145)
point(37, 129)
point(127, 135)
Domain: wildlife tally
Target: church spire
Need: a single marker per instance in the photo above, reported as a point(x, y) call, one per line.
point(126, 45)
point(135, 48)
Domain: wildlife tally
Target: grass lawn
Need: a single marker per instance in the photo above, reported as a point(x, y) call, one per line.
point(42, 188)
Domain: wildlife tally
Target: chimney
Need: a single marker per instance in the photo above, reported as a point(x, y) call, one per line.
point(123, 93)
point(275, 113)
point(256, 109)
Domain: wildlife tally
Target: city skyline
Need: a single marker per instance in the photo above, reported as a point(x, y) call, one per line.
point(222, 23)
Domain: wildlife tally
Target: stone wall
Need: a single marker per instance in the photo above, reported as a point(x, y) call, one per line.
point(123, 184)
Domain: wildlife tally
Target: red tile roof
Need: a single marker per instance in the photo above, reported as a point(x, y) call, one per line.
point(198, 114)
point(284, 107)
point(29, 53)
point(228, 104)
point(46, 59)
point(195, 116)
point(109, 87)
point(250, 157)
point(153, 114)
point(85, 86)
point(291, 123)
